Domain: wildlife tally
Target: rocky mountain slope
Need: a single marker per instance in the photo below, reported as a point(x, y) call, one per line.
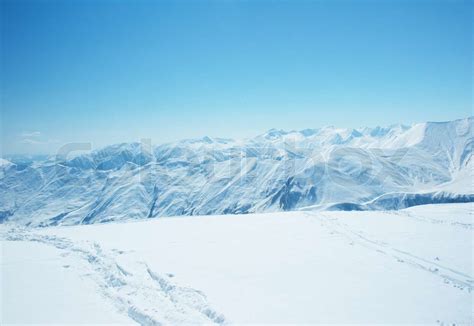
point(328, 168)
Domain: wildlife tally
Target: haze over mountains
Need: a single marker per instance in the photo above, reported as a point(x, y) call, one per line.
point(328, 168)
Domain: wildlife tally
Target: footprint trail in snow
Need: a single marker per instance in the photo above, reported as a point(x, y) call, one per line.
point(146, 296)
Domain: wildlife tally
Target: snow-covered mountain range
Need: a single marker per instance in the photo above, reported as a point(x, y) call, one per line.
point(327, 168)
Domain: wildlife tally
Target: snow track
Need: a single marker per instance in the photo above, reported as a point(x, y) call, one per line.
point(449, 275)
point(146, 296)
point(412, 266)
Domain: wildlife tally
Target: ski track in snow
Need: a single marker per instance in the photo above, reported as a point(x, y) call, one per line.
point(449, 275)
point(136, 290)
point(427, 219)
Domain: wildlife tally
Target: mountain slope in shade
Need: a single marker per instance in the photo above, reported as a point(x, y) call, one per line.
point(278, 170)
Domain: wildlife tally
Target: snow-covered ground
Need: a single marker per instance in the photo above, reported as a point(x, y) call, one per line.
point(408, 266)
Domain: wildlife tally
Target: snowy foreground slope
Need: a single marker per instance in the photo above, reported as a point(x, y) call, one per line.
point(409, 266)
point(328, 168)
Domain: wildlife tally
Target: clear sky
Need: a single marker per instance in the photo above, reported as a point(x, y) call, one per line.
point(117, 71)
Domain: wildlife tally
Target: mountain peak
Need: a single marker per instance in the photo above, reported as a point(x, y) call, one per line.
point(278, 170)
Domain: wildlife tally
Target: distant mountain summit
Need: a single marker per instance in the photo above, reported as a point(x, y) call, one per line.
point(326, 168)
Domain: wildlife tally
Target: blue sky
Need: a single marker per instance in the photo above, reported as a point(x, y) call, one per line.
point(115, 71)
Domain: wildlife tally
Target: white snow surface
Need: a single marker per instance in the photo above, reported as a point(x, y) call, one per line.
point(412, 266)
point(365, 168)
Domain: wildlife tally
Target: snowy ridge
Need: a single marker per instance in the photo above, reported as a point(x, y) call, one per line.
point(367, 168)
point(395, 201)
